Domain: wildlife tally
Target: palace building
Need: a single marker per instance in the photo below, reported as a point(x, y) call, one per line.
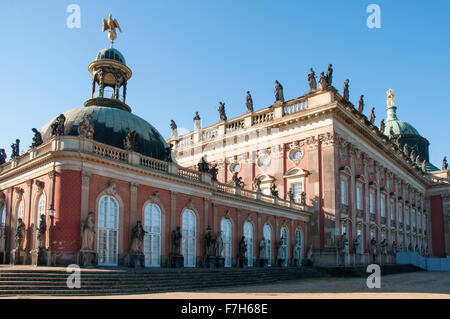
point(304, 181)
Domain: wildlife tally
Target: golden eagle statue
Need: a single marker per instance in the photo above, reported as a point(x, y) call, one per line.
point(111, 25)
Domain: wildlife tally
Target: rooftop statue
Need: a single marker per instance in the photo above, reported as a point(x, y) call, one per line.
point(15, 149)
point(58, 125)
point(418, 160)
point(444, 163)
point(345, 93)
point(197, 122)
point(323, 83)
point(382, 126)
point(169, 153)
point(223, 116)
point(203, 165)
point(390, 98)
point(424, 166)
point(111, 25)
point(2, 156)
point(278, 92)
point(405, 149)
point(85, 129)
point(273, 190)
point(330, 74)
point(249, 102)
point(391, 132)
point(173, 126)
point(214, 171)
point(237, 180)
point(361, 104)
point(312, 80)
point(372, 115)
point(130, 141)
point(37, 138)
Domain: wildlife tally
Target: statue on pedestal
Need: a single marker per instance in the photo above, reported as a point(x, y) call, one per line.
point(361, 104)
point(249, 102)
point(213, 171)
point(15, 149)
point(444, 163)
point(356, 243)
point(312, 80)
point(372, 115)
point(203, 165)
point(273, 190)
point(330, 74)
point(345, 92)
point(41, 232)
point(20, 234)
point(88, 233)
point(2, 156)
point(242, 248)
point(223, 116)
point(303, 198)
point(219, 244)
point(237, 180)
point(394, 247)
point(173, 127)
point(279, 97)
point(57, 126)
point(197, 122)
point(85, 129)
point(323, 83)
point(137, 238)
point(176, 240)
point(262, 249)
point(37, 138)
point(209, 242)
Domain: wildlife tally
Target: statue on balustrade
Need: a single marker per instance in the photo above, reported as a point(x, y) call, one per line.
point(372, 115)
point(85, 129)
point(290, 195)
point(361, 104)
point(197, 122)
point(330, 74)
point(176, 237)
point(412, 157)
point(418, 160)
point(257, 184)
point(15, 149)
point(169, 153)
point(424, 166)
point(223, 116)
point(323, 83)
point(203, 165)
point(249, 102)
point(57, 126)
point(303, 198)
point(219, 244)
point(405, 149)
point(345, 91)
point(237, 180)
point(2, 156)
point(130, 142)
point(391, 133)
point(444, 163)
point(213, 171)
point(382, 126)
point(279, 97)
point(88, 233)
point(41, 231)
point(312, 80)
point(37, 138)
point(273, 190)
point(242, 248)
point(174, 128)
point(137, 238)
point(20, 234)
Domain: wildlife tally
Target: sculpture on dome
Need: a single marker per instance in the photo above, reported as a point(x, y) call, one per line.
point(37, 138)
point(312, 80)
point(424, 166)
point(390, 98)
point(382, 126)
point(15, 149)
point(444, 163)
point(2, 156)
point(329, 76)
point(249, 102)
point(173, 126)
point(111, 25)
point(323, 83)
point(279, 97)
point(345, 92)
point(223, 116)
point(85, 129)
point(130, 142)
point(361, 104)
point(391, 133)
point(372, 115)
point(58, 125)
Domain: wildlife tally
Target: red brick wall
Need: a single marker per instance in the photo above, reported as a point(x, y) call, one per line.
point(437, 226)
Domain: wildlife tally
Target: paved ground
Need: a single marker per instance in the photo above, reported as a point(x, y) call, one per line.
point(408, 285)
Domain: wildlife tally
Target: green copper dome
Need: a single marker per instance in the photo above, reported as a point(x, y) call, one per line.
point(111, 54)
point(400, 128)
point(111, 126)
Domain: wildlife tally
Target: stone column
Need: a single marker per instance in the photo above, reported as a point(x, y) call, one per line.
point(133, 204)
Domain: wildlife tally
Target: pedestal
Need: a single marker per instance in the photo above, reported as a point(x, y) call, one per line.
point(176, 261)
point(263, 262)
point(87, 258)
point(39, 257)
point(17, 257)
point(243, 262)
point(210, 261)
point(220, 262)
point(137, 260)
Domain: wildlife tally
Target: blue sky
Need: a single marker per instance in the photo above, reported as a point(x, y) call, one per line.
point(189, 55)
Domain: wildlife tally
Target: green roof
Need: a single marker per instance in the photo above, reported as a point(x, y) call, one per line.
point(111, 54)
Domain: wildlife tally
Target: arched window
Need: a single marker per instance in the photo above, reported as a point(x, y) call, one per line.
point(267, 230)
point(298, 246)
point(3, 215)
point(189, 239)
point(108, 231)
point(41, 204)
point(248, 233)
point(227, 235)
point(152, 241)
point(283, 253)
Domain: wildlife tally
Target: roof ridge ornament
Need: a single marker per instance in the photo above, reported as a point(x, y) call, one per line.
point(111, 25)
point(390, 98)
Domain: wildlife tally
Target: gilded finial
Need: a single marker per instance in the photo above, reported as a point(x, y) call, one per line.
point(390, 98)
point(111, 25)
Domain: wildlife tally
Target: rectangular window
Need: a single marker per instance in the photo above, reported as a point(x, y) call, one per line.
point(371, 203)
point(344, 196)
point(413, 218)
point(383, 200)
point(359, 197)
point(406, 216)
point(392, 212)
point(297, 190)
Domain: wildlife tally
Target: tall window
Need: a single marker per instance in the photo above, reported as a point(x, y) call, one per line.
point(359, 197)
point(283, 245)
point(152, 240)
point(400, 215)
point(392, 212)
point(382, 208)
point(3, 215)
point(40, 211)
point(413, 218)
point(268, 238)
point(371, 203)
point(406, 215)
point(108, 231)
point(248, 233)
point(299, 245)
point(227, 236)
point(297, 189)
point(189, 232)
point(344, 194)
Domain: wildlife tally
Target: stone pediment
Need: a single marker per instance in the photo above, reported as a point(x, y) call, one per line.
point(296, 172)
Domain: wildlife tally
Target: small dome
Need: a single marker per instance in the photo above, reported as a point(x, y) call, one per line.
point(111, 54)
point(400, 128)
point(111, 126)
